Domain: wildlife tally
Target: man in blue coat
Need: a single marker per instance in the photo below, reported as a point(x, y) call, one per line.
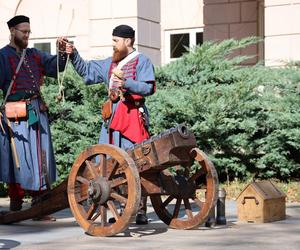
point(129, 77)
point(26, 158)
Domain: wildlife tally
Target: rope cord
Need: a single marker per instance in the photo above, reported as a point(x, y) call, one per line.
point(61, 93)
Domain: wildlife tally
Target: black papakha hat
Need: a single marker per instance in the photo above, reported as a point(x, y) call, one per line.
point(124, 31)
point(16, 20)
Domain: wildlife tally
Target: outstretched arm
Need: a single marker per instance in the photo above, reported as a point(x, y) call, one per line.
point(91, 71)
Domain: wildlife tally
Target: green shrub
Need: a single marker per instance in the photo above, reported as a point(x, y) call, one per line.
point(246, 118)
point(75, 122)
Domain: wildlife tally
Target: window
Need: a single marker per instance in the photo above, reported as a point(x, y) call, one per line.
point(178, 41)
point(199, 38)
point(46, 45)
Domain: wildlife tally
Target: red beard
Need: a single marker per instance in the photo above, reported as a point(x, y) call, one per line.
point(22, 44)
point(118, 55)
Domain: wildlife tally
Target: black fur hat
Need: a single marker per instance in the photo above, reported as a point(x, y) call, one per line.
point(124, 31)
point(16, 20)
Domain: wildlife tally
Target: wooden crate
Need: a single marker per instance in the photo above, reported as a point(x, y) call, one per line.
point(261, 202)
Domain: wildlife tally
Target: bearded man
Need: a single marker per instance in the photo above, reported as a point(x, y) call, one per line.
point(129, 77)
point(26, 158)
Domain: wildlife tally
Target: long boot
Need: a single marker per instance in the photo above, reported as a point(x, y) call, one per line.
point(16, 194)
point(141, 217)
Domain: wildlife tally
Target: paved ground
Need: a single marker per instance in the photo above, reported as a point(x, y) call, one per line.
point(66, 234)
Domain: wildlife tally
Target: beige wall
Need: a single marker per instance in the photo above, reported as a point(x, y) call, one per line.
point(225, 19)
point(50, 19)
point(282, 31)
point(142, 15)
point(89, 23)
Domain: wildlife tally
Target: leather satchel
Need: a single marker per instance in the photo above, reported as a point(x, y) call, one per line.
point(16, 110)
point(107, 109)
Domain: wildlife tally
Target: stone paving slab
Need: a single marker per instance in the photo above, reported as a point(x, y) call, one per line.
point(65, 233)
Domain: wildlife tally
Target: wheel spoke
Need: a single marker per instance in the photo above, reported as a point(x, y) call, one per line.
point(114, 169)
point(103, 212)
point(91, 169)
point(96, 216)
point(118, 197)
point(91, 211)
point(187, 172)
point(199, 203)
point(117, 182)
point(81, 193)
point(103, 165)
point(113, 209)
point(82, 180)
point(200, 172)
point(188, 209)
point(167, 201)
point(80, 198)
point(177, 208)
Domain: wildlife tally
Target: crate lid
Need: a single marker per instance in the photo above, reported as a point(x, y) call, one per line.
point(265, 189)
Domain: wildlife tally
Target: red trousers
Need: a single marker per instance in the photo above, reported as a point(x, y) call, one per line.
point(16, 192)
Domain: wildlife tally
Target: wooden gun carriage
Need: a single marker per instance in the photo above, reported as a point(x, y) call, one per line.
point(106, 181)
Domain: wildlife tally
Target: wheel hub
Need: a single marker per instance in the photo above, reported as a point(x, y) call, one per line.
point(98, 190)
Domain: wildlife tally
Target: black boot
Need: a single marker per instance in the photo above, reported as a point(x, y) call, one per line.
point(141, 217)
point(15, 205)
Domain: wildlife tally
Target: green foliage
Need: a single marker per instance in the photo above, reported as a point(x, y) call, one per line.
point(75, 123)
point(3, 190)
point(246, 118)
point(205, 64)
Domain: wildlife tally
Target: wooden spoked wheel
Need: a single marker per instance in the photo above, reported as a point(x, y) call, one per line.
point(189, 196)
point(104, 183)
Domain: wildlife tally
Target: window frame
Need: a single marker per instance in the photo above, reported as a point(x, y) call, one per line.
point(52, 42)
point(192, 36)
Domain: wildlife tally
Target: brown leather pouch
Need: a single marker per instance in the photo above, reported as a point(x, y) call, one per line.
point(106, 109)
point(16, 110)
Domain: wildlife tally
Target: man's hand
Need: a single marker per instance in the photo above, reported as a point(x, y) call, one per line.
point(118, 83)
point(118, 78)
point(64, 45)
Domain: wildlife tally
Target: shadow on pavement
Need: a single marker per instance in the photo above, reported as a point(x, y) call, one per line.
point(8, 244)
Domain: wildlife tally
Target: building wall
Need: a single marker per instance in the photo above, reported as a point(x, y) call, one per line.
point(282, 31)
point(142, 15)
point(224, 19)
point(49, 20)
point(88, 23)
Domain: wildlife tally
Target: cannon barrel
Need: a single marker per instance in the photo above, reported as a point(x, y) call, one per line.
point(166, 149)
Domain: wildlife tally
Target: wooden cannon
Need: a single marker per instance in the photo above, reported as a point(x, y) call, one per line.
point(106, 181)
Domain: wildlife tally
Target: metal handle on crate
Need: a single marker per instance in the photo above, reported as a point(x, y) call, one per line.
point(250, 197)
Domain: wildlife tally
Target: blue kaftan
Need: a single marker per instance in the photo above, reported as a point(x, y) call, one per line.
point(140, 80)
point(32, 141)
